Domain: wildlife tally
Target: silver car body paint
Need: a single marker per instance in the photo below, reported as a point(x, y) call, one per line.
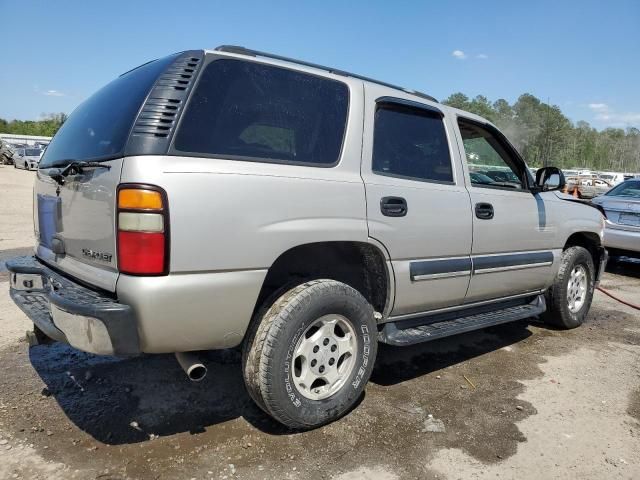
point(231, 220)
point(622, 228)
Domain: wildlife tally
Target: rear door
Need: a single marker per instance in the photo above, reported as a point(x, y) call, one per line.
point(514, 231)
point(417, 205)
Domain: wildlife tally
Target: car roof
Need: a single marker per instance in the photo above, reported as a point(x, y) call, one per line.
point(238, 50)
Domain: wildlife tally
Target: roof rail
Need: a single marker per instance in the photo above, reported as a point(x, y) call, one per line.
point(255, 53)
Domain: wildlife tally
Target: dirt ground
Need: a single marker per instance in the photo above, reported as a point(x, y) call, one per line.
point(518, 401)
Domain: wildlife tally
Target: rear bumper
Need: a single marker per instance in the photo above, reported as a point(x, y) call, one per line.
point(622, 237)
point(69, 312)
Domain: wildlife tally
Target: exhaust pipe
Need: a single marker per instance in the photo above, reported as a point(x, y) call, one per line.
point(195, 370)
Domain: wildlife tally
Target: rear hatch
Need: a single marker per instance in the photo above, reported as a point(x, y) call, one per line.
point(623, 211)
point(76, 185)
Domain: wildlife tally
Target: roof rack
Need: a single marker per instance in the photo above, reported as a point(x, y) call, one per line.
point(255, 53)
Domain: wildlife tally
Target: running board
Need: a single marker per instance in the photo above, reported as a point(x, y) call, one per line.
point(393, 333)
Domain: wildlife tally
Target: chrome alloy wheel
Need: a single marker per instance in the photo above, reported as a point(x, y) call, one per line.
point(324, 357)
point(577, 288)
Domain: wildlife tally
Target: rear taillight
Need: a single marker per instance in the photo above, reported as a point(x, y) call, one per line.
point(143, 230)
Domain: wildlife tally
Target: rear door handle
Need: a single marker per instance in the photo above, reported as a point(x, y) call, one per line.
point(393, 206)
point(484, 211)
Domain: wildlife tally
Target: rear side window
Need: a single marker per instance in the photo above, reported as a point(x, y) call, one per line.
point(98, 129)
point(248, 111)
point(411, 143)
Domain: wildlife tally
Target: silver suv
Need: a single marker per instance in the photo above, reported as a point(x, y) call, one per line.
point(233, 198)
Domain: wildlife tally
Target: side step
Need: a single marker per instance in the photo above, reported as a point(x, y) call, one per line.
point(393, 333)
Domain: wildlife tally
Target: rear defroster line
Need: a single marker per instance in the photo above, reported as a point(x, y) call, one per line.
point(618, 299)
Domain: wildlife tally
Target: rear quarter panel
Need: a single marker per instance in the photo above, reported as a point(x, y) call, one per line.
point(229, 221)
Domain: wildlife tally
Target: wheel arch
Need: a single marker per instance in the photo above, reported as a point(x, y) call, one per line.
point(362, 265)
point(589, 241)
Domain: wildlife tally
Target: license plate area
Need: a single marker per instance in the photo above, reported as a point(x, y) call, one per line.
point(28, 282)
point(632, 219)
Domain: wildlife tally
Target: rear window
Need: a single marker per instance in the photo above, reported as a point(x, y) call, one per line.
point(98, 129)
point(248, 111)
point(626, 189)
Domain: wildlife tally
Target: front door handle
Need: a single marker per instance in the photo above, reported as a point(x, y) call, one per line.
point(484, 211)
point(393, 206)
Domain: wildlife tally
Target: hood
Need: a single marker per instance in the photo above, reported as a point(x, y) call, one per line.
point(589, 203)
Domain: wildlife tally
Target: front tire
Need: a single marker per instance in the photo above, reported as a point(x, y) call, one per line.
point(311, 354)
point(570, 296)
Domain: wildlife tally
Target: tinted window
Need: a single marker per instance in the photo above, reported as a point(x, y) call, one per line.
point(32, 152)
point(245, 110)
point(99, 127)
point(411, 143)
point(490, 164)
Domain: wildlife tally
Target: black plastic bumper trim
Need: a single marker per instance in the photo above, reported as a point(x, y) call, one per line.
point(68, 295)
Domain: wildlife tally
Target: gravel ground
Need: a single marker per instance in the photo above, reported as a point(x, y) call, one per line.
point(516, 401)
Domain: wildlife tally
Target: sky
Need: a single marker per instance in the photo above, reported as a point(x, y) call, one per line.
point(583, 56)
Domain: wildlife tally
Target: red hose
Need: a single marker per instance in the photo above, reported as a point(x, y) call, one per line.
point(624, 302)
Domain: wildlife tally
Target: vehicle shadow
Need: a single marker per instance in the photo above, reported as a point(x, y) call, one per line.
point(626, 266)
point(398, 364)
point(121, 401)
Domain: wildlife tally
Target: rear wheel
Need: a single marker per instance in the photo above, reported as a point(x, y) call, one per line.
point(312, 353)
point(570, 296)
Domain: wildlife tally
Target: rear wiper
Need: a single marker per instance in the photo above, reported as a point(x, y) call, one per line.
point(73, 168)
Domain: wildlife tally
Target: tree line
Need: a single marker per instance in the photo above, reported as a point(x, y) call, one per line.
point(540, 132)
point(47, 127)
point(545, 136)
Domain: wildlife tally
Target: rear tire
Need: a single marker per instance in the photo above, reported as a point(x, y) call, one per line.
point(311, 353)
point(570, 296)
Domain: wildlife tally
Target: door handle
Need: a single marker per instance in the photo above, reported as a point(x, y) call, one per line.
point(393, 206)
point(484, 211)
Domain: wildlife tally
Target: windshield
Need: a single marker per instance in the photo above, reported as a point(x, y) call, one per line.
point(626, 189)
point(32, 152)
point(98, 129)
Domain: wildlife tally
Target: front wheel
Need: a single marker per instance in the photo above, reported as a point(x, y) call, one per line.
point(312, 353)
point(570, 296)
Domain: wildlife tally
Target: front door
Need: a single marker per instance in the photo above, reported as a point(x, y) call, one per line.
point(417, 204)
point(514, 231)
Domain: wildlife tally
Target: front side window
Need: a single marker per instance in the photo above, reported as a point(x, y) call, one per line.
point(249, 111)
point(411, 143)
point(490, 164)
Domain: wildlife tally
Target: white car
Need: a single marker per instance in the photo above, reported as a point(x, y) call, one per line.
point(612, 177)
point(27, 158)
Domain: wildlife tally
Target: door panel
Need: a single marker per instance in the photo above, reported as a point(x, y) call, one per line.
point(429, 244)
point(514, 233)
point(512, 252)
point(437, 226)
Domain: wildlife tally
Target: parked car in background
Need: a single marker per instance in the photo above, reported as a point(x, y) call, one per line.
point(27, 158)
point(622, 227)
point(6, 153)
point(298, 211)
point(612, 178)
point(586, 186)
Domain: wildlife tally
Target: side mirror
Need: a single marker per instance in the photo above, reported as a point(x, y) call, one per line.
point(549, 178)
